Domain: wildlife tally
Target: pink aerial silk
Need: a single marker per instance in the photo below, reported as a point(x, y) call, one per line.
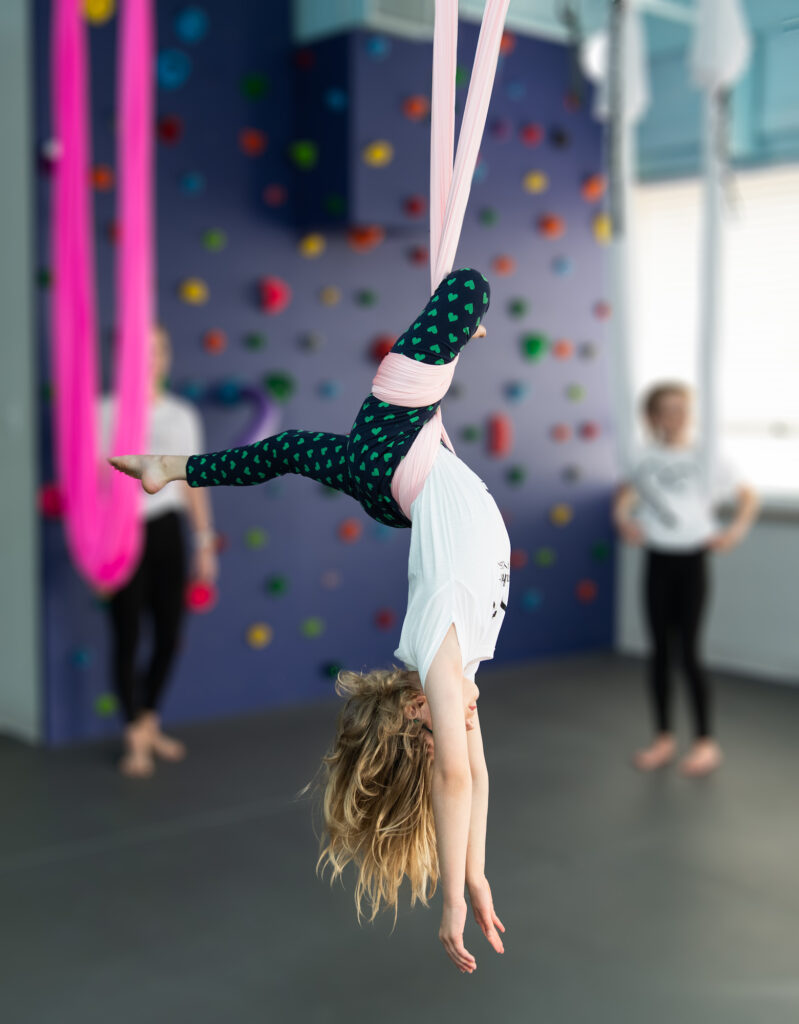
point(400, 380)
point(101, 507)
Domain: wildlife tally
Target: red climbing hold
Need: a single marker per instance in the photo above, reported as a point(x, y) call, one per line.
point(500, 435)
point(51, 501)
point(385, 618)
point(588, 431)
point(215, 341)
point(415, 206)
point(518, 558)
point(507, 44)
point(381, 346)
point(593, 188)
point(551, 226)
point(586, 591)
point(275, 195)
point(170, 129)
point(560, 432)
point(252, 141)
point(365, 238)
point(602, 310)
point(304, 59)
point(350, 530)
point(503, 265)
point(416, 107)
point(531, 134)
point(419, 256)
point(200, 597)
point(275, 294)
point(102, 178)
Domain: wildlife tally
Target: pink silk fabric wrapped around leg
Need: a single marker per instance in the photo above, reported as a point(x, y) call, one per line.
point(101, 509)
point(400, 380)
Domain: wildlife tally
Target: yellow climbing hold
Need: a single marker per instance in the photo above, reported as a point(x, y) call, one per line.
point(603, 228)
point(97, 12)
point(259, 635)
point(330, 295)
point(535, 182)
point(312, 245)
point(194, 291)
point(561, 515)
point(379, 153)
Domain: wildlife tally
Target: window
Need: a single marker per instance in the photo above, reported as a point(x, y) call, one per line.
point(759, 361)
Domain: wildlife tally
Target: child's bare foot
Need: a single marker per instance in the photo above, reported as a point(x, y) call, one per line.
point(704, 757)
point(153, 470)
point(137, 761)
point(660, 753)
point(166, 747)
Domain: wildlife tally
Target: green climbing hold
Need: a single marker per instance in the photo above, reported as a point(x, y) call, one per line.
point(304, 154)
point(335, 204)
point(255, 86)
point(471, 433)
point(313, 627)
point(366, 297)
point(488, 216)
point(517, 307)
point(44, 277)
point(256, 538)
point(280, 386)
point(574, 392)
point(600, 551)
point(255, 341)
point(461, 75)
point(545, 557)
point(214, 240)
point(534, 346)
point(105, 705)
point(277, 585)
point(516, 475)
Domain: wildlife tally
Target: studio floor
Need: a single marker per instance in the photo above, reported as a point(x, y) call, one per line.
point(192, 897)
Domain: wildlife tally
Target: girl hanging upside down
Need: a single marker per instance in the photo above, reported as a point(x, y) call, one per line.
point(406, 785)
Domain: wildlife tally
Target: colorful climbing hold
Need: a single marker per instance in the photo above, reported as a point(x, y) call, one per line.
point(381, 346)
point(545, 557)
point(336, 99)
point(518, 558)
point(335, 204)
point(304, 154)
point(98, 12)
point(255, 341)
point(586, 591)
point(330, 295)
point(480, 170)
point(192, 183)
point(532, 599)
point(516, 89)
point(80, 657)
point(515, 390)
point(311, 341)
point(575, 393)
point(551, 226)
point(277, 585)
point(561, 514)
point(602, 310)
point(593, 188)
point(571, 474)
point(259, 635)
point(379, 153)
point(256, 537)
point(419, 255)
point(280, 386)
point(252, 141)
point(105, 705)
point(516, 475)
point(600, 551)
point(562, 349)
point(350, 530)
point(102, 178)
point(461, 76)
point(560, 432)
point(507, 44)
point(191, 25)
point(366, 238)
point(378, 47)
point(193, 291)
point(587, 350)
point(385, 618)
point(471, 433)
point(535, 182)
point(501, 129)
point(331, 579)
point(255, 86)
point(312, 245)
point(313, 627)
point(531, 134)
point(331, 669)
point(328, 389)
point(366, 297)
point(559, 137)
point(488, 216)
point(169, 129)
point(534, 345)
point(503, 265)
point(415, 206)
point(589, 431)
point(416, 107)
point(603, 228)
point(200, 597)
point(215, 341)
point(173, 68)
point(275, 195)
point(499, 435)
point(562, 266)
point(275, 294)
point(572, 101)
point(214, 240)
point(517, 307)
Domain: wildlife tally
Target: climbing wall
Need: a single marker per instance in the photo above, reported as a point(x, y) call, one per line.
point(278, 318)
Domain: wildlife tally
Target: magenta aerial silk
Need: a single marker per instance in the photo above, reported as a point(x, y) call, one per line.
point(101, 507)
point(400, 380)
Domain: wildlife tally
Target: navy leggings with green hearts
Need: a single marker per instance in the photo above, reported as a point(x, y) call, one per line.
point(363, 462)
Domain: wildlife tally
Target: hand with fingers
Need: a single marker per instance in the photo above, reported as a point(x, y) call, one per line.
point(484, 913)
point(453, 921)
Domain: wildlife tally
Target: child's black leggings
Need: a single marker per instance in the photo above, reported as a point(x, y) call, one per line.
point(676, 588)
point(156, 589)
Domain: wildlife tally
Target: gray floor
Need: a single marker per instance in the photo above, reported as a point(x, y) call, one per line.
point(192, 898)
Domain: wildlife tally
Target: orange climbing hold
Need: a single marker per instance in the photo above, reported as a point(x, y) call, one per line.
point(215, 341)
point(503, 265)
point(350, 530)
point(416, 107)
point(562, 349)
point(551, 226)
point(102, 178)
point(593, 188)
point(363, 239)
point(500, 435)
point(381, 346)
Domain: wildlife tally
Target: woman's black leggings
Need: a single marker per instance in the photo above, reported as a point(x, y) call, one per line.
point(156, 588)
point(676, 592)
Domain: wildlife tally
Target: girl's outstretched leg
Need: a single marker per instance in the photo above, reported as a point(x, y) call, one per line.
point(154, 471)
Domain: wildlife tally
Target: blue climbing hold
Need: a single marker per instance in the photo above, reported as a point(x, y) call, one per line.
point(562, 266)
point(191, 25)
point(192, 183)
point(336, 99)
point(532, 600)
point(174, 68)
point(378, 47)
point(329, 388)
point(515, 390)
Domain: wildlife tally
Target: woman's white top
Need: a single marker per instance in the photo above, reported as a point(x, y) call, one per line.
point(175, 428)
point(458, 568)
point(677, 511)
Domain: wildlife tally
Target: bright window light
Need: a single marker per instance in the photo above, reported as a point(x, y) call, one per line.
point(759, 360)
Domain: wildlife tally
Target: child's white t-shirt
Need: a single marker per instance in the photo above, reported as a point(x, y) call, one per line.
point(458, 568)
point(677, 512)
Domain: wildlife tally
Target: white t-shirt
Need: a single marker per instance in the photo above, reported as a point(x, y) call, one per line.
point(175, 429)
point(458, 568)
point(676, 511)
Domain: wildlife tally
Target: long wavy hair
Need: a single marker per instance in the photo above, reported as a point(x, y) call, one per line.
point(376, 786)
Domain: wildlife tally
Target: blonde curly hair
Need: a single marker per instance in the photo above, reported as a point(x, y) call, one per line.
point(376, 783)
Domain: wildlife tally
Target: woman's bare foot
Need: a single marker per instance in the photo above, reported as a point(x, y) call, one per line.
point(153, 470)
point(703, 758)
point(137, 761)
point(166, 747)
point(660, 753)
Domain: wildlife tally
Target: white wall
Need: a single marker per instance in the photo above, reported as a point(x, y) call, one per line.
point(753, 623)
point(20, 692)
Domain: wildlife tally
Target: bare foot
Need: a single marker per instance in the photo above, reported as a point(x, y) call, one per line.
point(704, 757)
point(660, 753)
point(137, 761)
point(165, 747)
point(150, 469)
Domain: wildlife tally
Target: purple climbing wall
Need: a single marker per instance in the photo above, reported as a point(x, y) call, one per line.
point(261, 310)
